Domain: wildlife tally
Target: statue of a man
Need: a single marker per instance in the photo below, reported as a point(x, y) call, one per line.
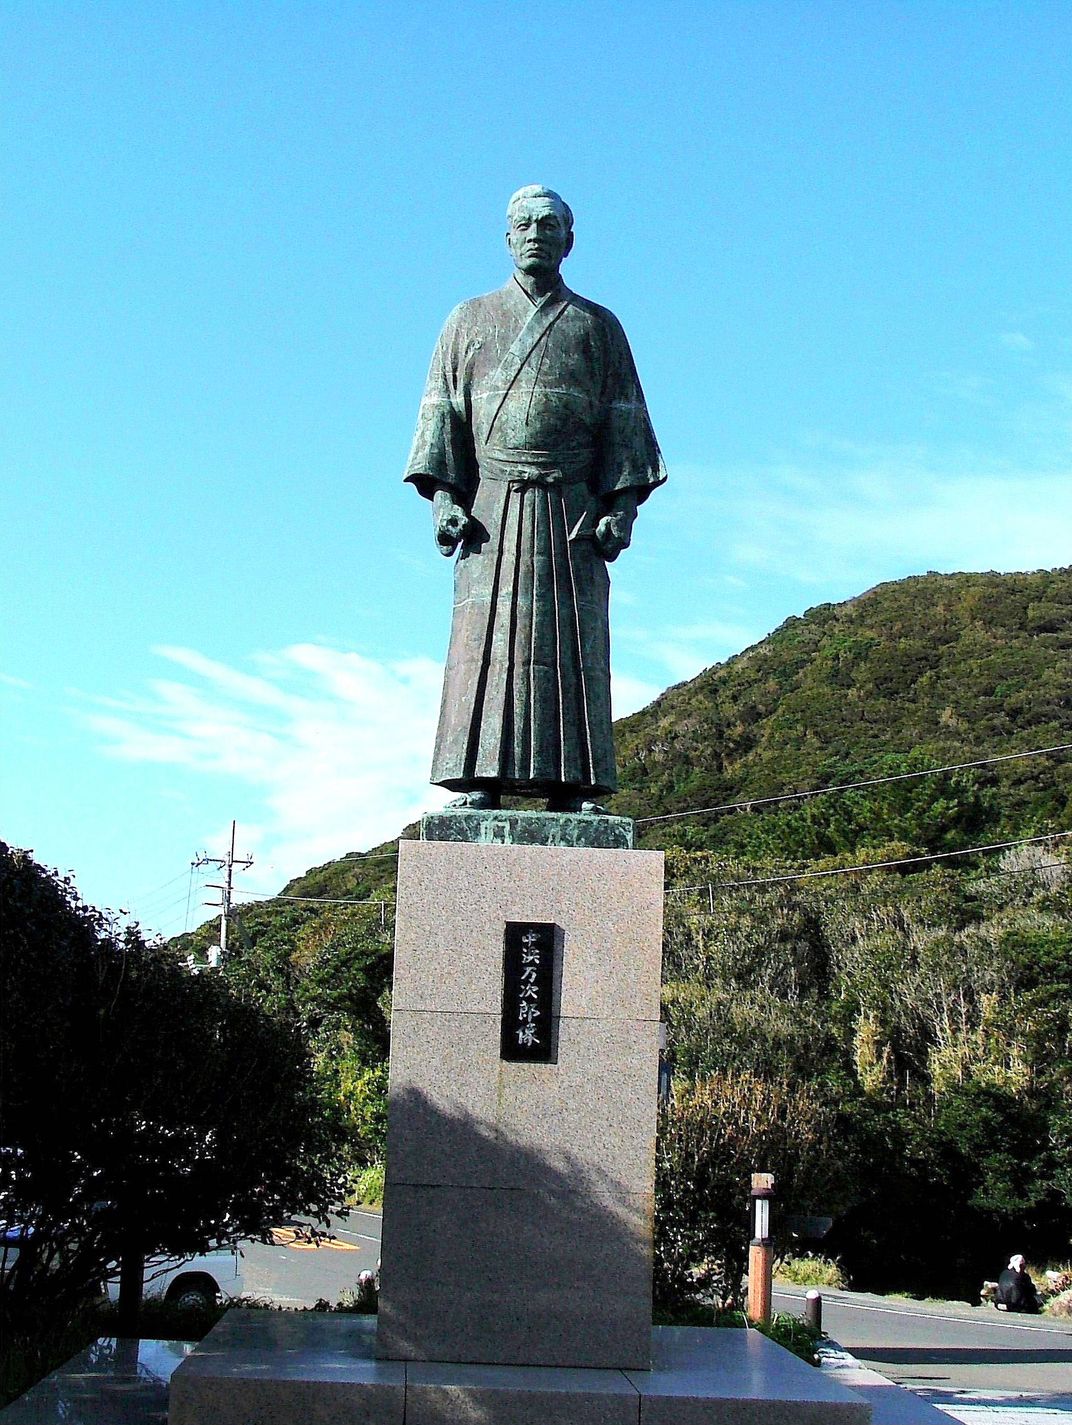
point(535, 447)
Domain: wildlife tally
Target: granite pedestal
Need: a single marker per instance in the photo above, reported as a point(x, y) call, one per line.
point(517, 1221)
point(517, 1229)
point(264, 1368)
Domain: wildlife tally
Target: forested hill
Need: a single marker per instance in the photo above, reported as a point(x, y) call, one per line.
point(924, 672)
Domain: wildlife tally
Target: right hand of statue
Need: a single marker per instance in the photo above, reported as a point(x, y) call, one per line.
point(451, 523)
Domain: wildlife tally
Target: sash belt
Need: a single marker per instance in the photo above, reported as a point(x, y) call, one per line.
point(535, 467)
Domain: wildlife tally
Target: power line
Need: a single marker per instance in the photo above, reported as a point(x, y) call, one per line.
point(869, 865)
point(146, 895)
point(853, 786)
point(309, 900)
point(189, 897)
point(371, 855)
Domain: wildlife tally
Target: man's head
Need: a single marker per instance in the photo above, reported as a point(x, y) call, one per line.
point(539, 230)
point(1016, 1263)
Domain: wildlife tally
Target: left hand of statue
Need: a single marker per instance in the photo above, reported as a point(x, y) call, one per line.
point(614, 533)
point(450, 521)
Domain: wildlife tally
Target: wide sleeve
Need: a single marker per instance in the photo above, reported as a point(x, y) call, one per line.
point(629, 455)
point(442, 452)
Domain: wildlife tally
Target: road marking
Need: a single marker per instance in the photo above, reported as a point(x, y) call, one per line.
point(929, 1315)
point(980, 1414)
point(292, 1238)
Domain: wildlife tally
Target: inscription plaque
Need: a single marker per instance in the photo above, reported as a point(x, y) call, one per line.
point(528, 992)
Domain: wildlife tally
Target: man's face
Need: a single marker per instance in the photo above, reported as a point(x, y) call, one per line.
point(538, 238)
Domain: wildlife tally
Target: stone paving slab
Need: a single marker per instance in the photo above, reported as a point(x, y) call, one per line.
point(890, 1404)
point(109, 1383)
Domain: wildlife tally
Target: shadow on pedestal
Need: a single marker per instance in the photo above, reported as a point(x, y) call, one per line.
point(494, 1252)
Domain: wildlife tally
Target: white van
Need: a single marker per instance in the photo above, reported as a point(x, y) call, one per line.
point(189, 1281)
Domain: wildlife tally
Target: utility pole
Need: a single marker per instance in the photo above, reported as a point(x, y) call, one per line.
point(227, 865)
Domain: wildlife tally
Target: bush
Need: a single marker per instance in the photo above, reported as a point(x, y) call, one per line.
point(811, 1270)
point(712, 1135)
point(794, 1334)
point(368, 1187)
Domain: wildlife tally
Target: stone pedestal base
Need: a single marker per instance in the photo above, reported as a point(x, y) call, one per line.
point(274, 1369)
point(517, 1221)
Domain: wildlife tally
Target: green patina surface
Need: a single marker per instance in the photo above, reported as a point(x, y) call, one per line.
point(535, 447)
point(529, 828)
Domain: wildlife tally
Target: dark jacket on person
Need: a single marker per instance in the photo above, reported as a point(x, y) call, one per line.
point(1016, 1291)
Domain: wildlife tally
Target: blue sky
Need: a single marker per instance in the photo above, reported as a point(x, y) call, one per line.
point(838, 236)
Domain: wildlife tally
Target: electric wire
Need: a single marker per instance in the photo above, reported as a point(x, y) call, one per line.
point(308, 900)
point(854, 786)
point(869, 865)
point(189, 898)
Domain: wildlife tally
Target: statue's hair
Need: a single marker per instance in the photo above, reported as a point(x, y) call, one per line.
point(537, 190)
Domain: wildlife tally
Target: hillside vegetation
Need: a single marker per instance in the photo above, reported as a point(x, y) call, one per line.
point(895, 1045)
point(925, 672)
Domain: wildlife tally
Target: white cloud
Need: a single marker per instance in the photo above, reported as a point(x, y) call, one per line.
point(683, 650)
point(629, 694)
point(852, 520)
point(885, 527)
point(1017, 341)
point(336, 746)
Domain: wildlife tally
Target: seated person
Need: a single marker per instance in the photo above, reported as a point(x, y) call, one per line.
point(1016, 1290)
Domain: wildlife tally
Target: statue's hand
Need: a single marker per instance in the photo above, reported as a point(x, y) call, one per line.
point(614, 533)
point(451, 522)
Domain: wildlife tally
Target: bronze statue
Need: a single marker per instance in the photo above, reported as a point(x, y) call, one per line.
point(535, 447)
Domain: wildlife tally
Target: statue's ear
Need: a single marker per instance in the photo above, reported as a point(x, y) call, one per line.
point(569, 245)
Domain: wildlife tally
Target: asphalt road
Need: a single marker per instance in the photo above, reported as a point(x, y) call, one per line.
point(292, 1272)
point(945, 1347)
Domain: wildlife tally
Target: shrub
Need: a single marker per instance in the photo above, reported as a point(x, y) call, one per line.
point(794, 1334)
point(712, 1135)
point(368, 1186)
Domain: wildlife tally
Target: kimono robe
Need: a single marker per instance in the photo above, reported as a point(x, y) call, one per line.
point(534, 418)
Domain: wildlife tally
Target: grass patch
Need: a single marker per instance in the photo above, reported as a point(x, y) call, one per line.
point(161, 1320)
point(811, 1270)
point(697, 1313)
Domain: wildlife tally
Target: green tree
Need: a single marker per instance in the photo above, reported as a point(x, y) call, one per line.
point(142, 1107)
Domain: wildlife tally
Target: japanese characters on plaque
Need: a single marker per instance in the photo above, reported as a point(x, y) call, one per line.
point(528, 992)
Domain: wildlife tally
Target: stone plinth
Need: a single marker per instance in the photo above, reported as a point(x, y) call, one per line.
point(259, 1368)
point(529, 828)
point(518, 1207)
point(273, 1368)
